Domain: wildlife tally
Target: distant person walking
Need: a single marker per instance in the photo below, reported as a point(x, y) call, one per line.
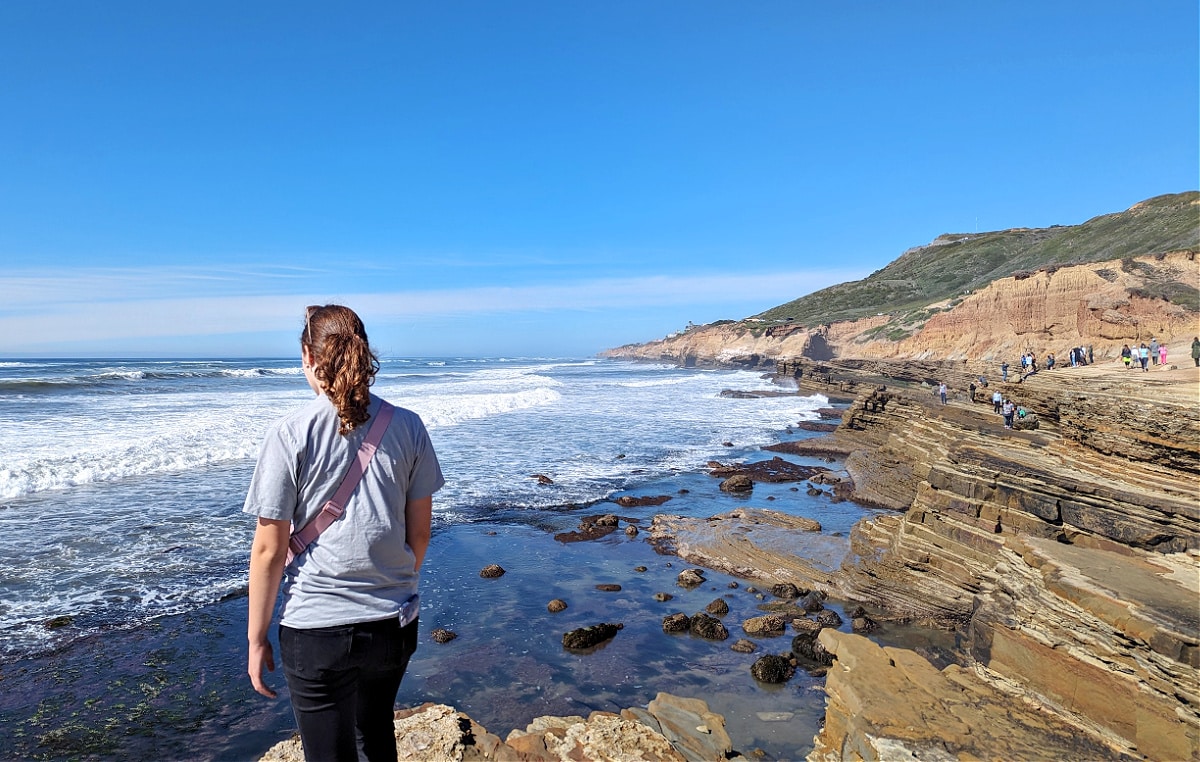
point(997, 401)
point(1144, 356)
point(1154, 351)
point(1127, 356)
point(1004, 370)
point(1162, 354)
point(1009, 410)
point(1196, 351)
point(942, 391)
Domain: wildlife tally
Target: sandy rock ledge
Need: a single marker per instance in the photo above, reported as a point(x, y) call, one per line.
point(669, 729)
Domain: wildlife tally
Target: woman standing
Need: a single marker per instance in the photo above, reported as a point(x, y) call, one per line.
point(348, 621)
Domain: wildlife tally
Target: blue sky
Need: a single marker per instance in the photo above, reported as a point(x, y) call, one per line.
point(543, 178)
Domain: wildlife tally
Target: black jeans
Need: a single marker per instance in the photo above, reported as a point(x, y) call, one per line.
point(343, 681)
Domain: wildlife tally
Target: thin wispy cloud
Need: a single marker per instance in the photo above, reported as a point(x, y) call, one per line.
point(52, 310)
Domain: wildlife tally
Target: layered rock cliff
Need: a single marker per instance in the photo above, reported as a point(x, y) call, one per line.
point(1103, 305)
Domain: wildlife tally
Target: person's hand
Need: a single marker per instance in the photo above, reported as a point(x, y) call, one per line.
point(261, 656)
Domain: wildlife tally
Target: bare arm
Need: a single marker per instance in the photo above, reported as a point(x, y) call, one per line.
point(267, 555)
point(418, 521)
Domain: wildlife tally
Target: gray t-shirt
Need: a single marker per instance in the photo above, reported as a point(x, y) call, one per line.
point(360, 569)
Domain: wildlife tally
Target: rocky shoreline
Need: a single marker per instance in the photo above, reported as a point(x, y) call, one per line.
point(1065, 559)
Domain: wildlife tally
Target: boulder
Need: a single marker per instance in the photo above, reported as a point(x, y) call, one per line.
point(737, 483)
point(772, 668)
point(708, 627)
point(861, 623)
point(556, 605)
point(689, 578)
point(441, 635)
point(678, 622)
point(492, 571)
point(786, 591)
point(829, 618)
point(719, 607)
point(807, 645)
point(589, 637)
point(814, 600)
point(765, 626)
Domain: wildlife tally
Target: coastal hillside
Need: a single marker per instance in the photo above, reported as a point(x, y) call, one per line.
point(956, 264)
point(1118, 278)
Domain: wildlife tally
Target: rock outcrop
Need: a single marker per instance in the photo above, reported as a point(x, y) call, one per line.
point(1067, 558)
point(669, 729)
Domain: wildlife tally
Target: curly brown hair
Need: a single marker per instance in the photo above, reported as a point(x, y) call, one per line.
point(342, 361)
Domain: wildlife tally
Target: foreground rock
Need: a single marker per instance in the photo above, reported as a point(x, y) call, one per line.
point(669, 729)
point(889, 703)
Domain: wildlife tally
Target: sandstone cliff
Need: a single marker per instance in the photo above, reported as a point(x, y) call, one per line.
point(1103, 305)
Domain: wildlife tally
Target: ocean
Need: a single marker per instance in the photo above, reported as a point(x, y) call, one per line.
point(121, 487)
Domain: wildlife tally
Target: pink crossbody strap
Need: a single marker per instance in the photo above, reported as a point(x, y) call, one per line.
point(337, 504)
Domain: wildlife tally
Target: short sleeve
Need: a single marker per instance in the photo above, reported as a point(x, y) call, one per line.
point(274, 488)
point(426, 477)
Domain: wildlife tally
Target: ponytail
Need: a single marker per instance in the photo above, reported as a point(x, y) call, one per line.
point(342, 360)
